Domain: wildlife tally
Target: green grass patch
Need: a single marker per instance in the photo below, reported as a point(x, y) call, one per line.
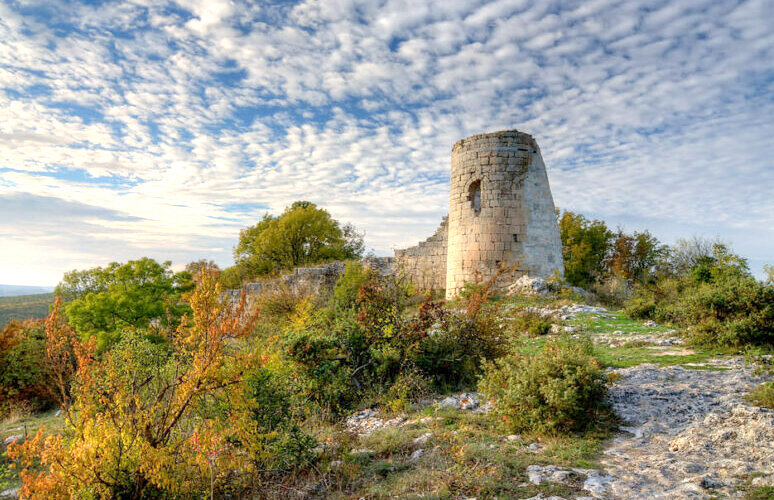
point(763, 395)
point(612, 321)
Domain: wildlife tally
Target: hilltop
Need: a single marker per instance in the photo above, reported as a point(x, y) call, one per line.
point(16, 290)
point(21, 307)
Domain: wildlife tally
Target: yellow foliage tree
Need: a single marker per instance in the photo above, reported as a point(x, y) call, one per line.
point(138, 419)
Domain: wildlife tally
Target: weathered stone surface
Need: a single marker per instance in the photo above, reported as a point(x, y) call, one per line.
point(593, 481)
point(565, 313)
point(310, 279)
point(13, 439)
point(424, 265)
point(526, 285)
point(10, 493)
point(690, 433)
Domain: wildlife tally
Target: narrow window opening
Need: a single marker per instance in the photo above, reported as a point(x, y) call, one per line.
point(516, 238)
point(474, 196)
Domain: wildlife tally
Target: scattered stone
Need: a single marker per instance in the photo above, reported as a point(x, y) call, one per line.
point(10, 493)
point(13, 439)
point(528, 286)
point(417, 454)
point(540, 496)
point(595, 482)
point(513, 437)
point(361, 451)
point(473, 401)
point(366, 422)
point(534, 447)
point(650, 324)
point(336, 464)
point(423, 438)
point(566, 313)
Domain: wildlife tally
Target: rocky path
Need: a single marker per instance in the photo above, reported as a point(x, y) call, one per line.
point(689, 433)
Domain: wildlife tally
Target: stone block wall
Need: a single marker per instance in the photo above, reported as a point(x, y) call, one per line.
point(501, 212)
point(424, 265)
point(318, 279)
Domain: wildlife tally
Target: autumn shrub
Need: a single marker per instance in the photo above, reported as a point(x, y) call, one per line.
point(25, 380)
point(186, 417)
point(452, 352)
point(364, 345)
point(558, 389)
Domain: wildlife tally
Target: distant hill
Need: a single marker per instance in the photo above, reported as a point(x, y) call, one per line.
point(23, 307)
point(14, 290)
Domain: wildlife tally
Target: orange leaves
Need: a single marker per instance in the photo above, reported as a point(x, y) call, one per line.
point(131, 412)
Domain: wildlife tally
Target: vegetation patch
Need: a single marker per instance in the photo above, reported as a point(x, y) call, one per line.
point(560, 388)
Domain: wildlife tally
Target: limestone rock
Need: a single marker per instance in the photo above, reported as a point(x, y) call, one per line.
point(527, 285)
point(423, 438)
point(13, 439)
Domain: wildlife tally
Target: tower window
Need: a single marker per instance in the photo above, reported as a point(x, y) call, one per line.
point(516, 238)
point(474, 195)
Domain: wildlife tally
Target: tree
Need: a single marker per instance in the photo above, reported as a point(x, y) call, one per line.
point(139, 294)
point(150, 420)
point(634, 256)
point(687, 253)
point(303, 234)
point(585, 245)
point(195, 267)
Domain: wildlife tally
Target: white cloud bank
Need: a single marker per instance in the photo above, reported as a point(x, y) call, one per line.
point(135, 128)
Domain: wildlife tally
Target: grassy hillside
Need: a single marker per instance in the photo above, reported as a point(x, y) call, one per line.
point(24, 307)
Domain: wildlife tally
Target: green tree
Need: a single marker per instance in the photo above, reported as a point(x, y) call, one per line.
point(303, 234)
point(141, 294)
point(585, 246)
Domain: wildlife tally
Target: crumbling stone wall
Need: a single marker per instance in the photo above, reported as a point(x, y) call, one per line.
point(424, 265)
point(318, 279)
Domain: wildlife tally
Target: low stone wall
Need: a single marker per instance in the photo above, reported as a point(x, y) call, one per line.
point(319, 279)
point(424, 265)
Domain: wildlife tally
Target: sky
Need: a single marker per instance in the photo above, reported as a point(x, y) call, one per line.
point(153, 128)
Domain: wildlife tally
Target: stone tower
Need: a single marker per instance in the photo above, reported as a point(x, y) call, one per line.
point(501, 211)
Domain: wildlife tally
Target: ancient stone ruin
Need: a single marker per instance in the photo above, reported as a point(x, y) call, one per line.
point(501, 214)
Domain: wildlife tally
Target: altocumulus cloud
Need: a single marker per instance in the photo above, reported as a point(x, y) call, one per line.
point(149, 128)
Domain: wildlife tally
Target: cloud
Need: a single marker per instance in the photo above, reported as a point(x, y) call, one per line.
point(172, 114)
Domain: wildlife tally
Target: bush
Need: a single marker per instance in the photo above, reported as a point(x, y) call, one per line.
point(452, 352)
point(531, 323)
point(363, 347)
point(25, 380)
point(763, 395)
point(558, 389)
point(717, 300)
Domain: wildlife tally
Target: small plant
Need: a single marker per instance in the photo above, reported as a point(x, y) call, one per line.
point(531, 323)
point(558, 389)
point(763, 395)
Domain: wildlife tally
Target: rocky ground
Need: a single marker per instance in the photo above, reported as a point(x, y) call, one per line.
point(689, 433)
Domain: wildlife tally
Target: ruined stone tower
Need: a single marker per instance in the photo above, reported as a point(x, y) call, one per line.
point(501, 213)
